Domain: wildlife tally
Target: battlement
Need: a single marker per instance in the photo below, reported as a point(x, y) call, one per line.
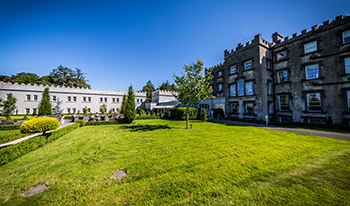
point(40, 87)
point(258, 40)
point(278, 39)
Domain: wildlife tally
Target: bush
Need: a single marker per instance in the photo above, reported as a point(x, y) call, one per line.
point(218, 111)
point(10, 153)
point(41, 124)
point(147, 117)
point(11, 136)
point(81, 123)
point(9, 127)
point(105, 122)
point(179, 113)
point(203, 115)
point(147, 112)
point(140, 111)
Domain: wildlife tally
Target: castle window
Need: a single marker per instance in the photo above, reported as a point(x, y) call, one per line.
point(281, 55)
point(233, 70)
point(27, 97)
point(138, 101)
point(105, 99)
point(74, 110)
point(219, 73)
point(268, 64)
point(233, 90)
point(315, 121)
point(234, 108)
point(347, 65)
point(310, 47)
point(69, 98)
point(89, 110)
point(249, 88)
point(249, 107)
point(141, 100)
point(348, 101)
point(27, 110)
point(240, 88)
point(34, 110)
point(248, 65)
point(284, 102)
point(117, 100)
point(282, 76)
point(84, 99)
point(54, 98)
point(312, 71)
point(35, 97)
point(68, 110)
point(113, 100)
point(101, 99)
point(219, 87)
point(89, 98)
point(314, 102)
point(74, 99)
point(346, 37)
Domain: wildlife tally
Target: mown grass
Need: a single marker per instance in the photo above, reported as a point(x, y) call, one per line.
point(212, 164)
point(8, 131)
point(16, 117)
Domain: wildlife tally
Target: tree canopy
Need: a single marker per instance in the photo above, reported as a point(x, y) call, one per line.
point(166, 86)
point(192, 86)
point(148, 88)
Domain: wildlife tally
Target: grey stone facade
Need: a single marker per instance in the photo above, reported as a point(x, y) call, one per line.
point(304, 78)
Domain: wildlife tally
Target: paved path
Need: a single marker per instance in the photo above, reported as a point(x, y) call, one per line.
point(303, 131)
point(30, 136)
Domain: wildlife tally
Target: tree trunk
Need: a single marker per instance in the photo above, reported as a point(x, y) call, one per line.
point(187, 116)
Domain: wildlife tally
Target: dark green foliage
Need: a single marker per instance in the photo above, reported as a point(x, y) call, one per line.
point(64, 76)
point(218, 111)
point(140, 111)
point(57, 108)
point(41, 124)
point(85, 111)
point(122, 110)
point(147, 112)
point(45, 105)
point(165, 86)
point(81, 123)
point(11, 136)
point(130, 112)
point(34, 113)
point(8, 106)
point(26, 78)
point(105, 122)
point(9, 127)
point(103, 108)
point(148, 88)
point(147, 117)
point(203, 115)
point(179, 113)
point(25, 117)
point(10, 153)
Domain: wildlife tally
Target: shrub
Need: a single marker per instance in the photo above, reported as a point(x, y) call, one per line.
point(41, 124)
point(104, 122)
point(218, 111)
point(179, 113)
point(81, 123)
point(140, 111)
point(203, 115)
point(9, 127)
point(147, 112)
point(147, 117)
point(11, 136)
point(34, 113)
point(25, 117)
point(10, 153)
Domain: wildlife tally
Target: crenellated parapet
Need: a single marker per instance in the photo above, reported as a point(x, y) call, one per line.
point(278, 39)
point(258, 40)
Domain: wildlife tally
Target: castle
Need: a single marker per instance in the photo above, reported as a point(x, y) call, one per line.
point(304, 78)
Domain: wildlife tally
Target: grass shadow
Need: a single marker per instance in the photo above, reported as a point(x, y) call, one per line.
point(145, 128)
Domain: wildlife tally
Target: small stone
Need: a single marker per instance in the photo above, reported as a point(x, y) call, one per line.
point(36, 190)
point(119, 174)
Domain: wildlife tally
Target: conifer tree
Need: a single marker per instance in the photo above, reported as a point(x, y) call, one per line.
point(122, 110)
point(130, 112)
point(8, 106)
point(45, 105)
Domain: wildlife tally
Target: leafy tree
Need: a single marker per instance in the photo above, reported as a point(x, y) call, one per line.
point(26, 78)
point(4, 78)
point(85, 111)
point(130, 112)
point(8, 106)
point(64, 76)
point(57, 108)
point(148, 88)
point(103, 108)
point(45, 105)
point(122, 110)
point(192, 86)
point(165, 86)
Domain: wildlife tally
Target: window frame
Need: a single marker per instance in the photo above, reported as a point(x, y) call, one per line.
point(306, 49)
point(240, 89)
point(344, 38)
point(247, 88)
point(278, 76)
point(251, 65)
point(306, 71)
point(219, 74)
point(219, 85)
point(235, 71)
point(246, 108)
point(347, 66)
point(279, 58)
point(28, 97)
point(348, 100)
point(69, 98)
point(231, 108)
point(282, 108)
point(308, 102)
point(235, 90)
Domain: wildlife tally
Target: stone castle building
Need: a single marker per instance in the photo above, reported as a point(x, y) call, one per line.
point(304, 78)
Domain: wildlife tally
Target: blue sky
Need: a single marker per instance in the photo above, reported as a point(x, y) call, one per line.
point(118, 43)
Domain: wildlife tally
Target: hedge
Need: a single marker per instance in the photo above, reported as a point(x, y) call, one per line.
point(147, 117)
point(105, 122)
point(10, 153)
point(179, 113)
point(218, 111)
point(9, 127)
point(11, 136)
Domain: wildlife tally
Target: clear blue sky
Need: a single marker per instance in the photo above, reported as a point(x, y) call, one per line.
point(118, 43)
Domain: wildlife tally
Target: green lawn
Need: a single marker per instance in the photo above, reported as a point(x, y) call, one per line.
point(8, 131)
point(16, 117)
point(212, 164)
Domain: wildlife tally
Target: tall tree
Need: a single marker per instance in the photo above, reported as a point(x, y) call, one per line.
point(26, 78)
point(192, 86)
point(45, 105)
point(57, 108)
point(4, 78)
point(124, 102)
point(130, 111)
point(64, 76)
point(8, 106)
point(148, 88)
